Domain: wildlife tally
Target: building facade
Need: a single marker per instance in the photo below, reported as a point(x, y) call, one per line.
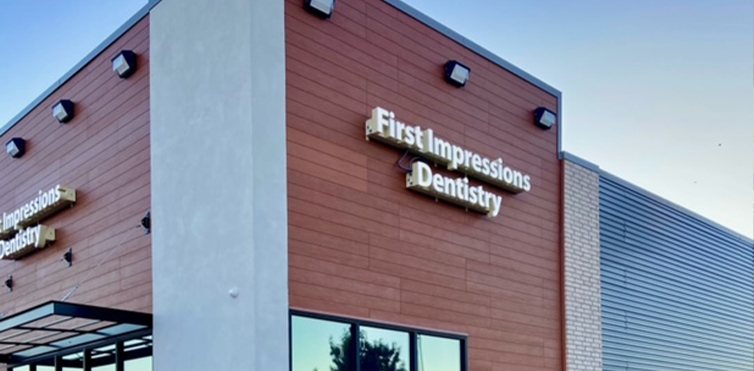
point(362, 246)
point(269, 185)
point(89, 246)
point(649, 284)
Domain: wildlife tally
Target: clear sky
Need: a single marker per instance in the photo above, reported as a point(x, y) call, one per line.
point(658, 92)
point(40, 40)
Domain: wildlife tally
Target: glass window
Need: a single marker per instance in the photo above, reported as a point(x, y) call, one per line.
point(438, 353)
point(136, 358)
point(320, 345)
point(140, 364)
point(384, 350)
point(327, 345)
point(101, 354)
point(76, 358)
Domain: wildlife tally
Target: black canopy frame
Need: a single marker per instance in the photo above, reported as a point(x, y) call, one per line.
point(44, 334)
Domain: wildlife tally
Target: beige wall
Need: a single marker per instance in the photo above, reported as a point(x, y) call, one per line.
point(582, 269)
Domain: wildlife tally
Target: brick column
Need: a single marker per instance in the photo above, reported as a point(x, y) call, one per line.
point(582, 268)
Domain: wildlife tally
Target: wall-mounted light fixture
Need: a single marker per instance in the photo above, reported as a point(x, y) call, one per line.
point(68, 257)
point(321, 8)
point(456, 73)
point(544, 118)
point(146, 223)
point(63, 111)
point(9, 283)
point(124, 64)
point(16, 147)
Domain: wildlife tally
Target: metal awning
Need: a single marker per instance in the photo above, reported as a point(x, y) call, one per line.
point(55, 328)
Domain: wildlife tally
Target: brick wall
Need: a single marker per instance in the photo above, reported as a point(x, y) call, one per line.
point(362, 245)
point(104, 154)
point(582, 269)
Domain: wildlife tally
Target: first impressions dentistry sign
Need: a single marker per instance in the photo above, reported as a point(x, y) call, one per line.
point(384, 127)
point(20, 233)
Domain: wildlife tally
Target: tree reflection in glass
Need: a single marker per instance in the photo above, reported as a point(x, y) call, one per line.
point(379, 350)
point(312, 343)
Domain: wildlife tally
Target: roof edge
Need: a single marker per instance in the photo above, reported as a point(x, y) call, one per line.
point(80, 65)
point(570, 157)
point(476, 48)
point(565, 156)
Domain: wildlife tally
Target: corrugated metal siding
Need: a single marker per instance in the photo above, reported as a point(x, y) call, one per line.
point(677, 291)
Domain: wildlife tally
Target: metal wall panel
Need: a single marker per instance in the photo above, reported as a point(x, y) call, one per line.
point(677, 290)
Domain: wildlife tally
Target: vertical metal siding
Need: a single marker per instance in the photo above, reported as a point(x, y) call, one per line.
point(677, 291)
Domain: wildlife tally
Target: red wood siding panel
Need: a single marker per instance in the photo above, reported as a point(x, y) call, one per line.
point(104, 154)
point(362, 245)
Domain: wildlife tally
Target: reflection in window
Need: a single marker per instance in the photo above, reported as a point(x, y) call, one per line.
point(438, 354)
point(140, 364)
point(384, 350)
point(320, 345)
point(75, 357)
point(328, 345)
point(100, 355)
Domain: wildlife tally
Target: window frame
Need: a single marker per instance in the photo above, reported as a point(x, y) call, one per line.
point(355, 325)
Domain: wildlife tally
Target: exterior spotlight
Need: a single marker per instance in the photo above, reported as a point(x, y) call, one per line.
point(456, 73)
point(63, 111)
point(545, 118)
point(9, 283)
point(124, 64)
point(320, 8)
point(146, 223)
point(68, 257)
point(16, 147)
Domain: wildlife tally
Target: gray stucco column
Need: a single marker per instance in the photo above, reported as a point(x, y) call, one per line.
point(219, 210)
